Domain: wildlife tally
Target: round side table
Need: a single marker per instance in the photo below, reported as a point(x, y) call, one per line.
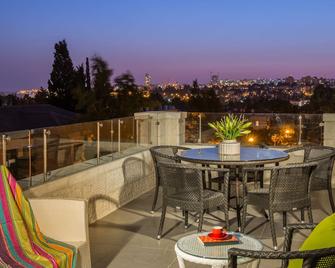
point(189, 248)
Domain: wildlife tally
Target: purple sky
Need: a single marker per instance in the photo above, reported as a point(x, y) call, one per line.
point(175, 40)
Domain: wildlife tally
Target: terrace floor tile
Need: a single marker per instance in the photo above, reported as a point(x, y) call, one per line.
point(127, 237)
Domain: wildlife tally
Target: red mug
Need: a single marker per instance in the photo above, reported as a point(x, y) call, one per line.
point(217, 231)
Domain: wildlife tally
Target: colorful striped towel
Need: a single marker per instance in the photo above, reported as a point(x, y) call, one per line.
point(21, 242)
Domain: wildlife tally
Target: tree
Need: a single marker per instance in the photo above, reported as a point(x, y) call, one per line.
point(322, 100)
point(88, 75)
point(101, 101)
point(195, 90)
point(42, 96)
point(62, 78)
point(79, 91)
point(79, 77)
point(206, 101)
point(129, 98)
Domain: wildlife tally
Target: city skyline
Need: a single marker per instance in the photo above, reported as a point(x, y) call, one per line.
point(175, 41)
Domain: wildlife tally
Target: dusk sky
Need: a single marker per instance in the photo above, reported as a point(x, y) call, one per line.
point(173, 40)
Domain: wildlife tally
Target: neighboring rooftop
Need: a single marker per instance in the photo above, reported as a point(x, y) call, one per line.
point(22, 117)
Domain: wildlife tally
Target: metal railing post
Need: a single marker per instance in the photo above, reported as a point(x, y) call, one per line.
point(112, 135)
point(137, 131)
point(150, 130)
point(300, 129)
point(321, 125)
point(200, 128)
point(29, 159)
point(5, 138)
point(119, 123)
point(158, 132)
point(99, 125)
point(46, 133)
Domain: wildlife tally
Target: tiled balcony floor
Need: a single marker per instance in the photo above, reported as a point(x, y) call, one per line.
point(127, 237)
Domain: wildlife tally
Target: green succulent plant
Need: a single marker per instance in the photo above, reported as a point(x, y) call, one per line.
point(231, 127)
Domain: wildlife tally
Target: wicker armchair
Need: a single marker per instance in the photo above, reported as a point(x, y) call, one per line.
point(158, 154)
point(322, 177)
point(289, 189)
point(183, 187)
point(322, 258)
point(234, 173)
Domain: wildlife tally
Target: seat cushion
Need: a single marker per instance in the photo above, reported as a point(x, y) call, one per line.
point(191, 199)
point(323, 236)
point(259, 197)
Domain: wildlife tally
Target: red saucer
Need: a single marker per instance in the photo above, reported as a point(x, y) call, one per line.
point(216, 237)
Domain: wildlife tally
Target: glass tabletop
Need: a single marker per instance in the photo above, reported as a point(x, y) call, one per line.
point(248, 154)
point(191, 245)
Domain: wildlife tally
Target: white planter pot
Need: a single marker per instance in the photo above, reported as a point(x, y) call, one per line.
point(229, 147)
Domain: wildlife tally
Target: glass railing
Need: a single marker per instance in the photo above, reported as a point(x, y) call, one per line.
point(267, 129)
point(39, 155)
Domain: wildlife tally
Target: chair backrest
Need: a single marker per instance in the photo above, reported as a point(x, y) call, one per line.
point(164, 154)
point(290, 186)
point(318, 152)
point(325, 157)
point(181, 181)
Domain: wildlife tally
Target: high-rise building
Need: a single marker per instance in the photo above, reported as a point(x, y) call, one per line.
point(214, 79)
point(147, 80)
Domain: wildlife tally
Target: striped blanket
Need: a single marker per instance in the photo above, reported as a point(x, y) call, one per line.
point(21, 242)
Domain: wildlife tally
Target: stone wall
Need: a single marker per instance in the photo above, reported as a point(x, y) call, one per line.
point(106, 187)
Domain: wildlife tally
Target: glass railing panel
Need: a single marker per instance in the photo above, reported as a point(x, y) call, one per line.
point(272, 130)
point(37, 160)
point(312, 129)
point(192, 129)
point(1, 151)
point(115, 127)
point(18, 155)
point(127, 133)
point(267, 129)
point(207, 133)
point(144, 132)
point(70, 145)
point(107, 141)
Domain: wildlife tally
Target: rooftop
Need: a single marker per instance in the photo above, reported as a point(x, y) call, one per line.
point(108, 164)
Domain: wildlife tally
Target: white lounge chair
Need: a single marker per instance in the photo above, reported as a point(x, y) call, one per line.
point(67, 221)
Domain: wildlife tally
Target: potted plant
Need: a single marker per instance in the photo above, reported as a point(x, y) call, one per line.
point(227, 130)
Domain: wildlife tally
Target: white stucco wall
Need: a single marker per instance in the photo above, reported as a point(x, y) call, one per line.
point(106, 187)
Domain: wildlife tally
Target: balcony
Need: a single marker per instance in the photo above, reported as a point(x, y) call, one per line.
point(108, 164)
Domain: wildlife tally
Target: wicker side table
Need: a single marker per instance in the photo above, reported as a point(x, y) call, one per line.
point(189, 248)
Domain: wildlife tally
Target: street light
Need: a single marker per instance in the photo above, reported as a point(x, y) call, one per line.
point(251, 139)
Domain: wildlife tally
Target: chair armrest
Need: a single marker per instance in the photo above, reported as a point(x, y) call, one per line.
point(289, 233)
point(295, 149)
point(271, 168)
point(62, 219)
point(233, 253)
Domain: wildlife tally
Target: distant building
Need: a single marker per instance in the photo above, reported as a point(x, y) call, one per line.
point(27, 92)
point(147, 80)
point(300, 102)
point(289, 80)
point(214, 79)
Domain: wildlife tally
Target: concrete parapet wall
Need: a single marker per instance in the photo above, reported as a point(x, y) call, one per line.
point(106, 187)
point(165, 127)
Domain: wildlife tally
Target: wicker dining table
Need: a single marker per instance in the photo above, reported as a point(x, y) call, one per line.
point(249, 156)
